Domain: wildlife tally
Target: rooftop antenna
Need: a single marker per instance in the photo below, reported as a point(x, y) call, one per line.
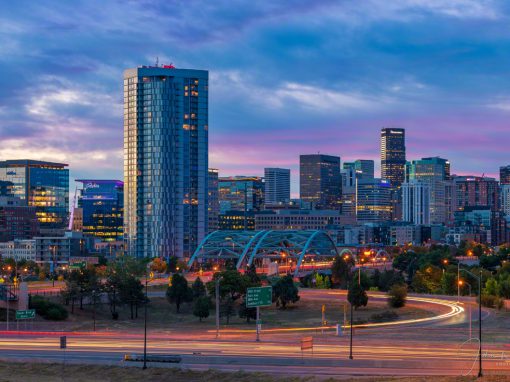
point(157, 61)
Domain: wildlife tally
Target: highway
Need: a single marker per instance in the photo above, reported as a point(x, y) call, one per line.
point(423, 346)
point(330, 355)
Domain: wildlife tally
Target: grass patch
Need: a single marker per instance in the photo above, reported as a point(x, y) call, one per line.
point(46, 372)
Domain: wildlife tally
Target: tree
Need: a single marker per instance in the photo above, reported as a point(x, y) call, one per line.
point(131, 292)
point(198, 288)
point(158, 265)
point(71, 292)
point(245, 312)
point(357, 296)
point(449, 283)
point(491, 287)
point(179, 292)
point(252, 275)
point(233, 287)
point(285, 292)
point(201, 307)
point(340, 270)
point(397, 296)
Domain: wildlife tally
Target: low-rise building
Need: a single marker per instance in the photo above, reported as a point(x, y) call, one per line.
point(18, 250)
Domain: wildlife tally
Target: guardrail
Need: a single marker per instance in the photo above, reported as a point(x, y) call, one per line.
point(153, 358)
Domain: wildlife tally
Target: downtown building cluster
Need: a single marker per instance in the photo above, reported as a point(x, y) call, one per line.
point(170, 199)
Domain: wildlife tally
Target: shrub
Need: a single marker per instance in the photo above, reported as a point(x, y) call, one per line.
point(397, 296)
point(491, 301)
point(47, 309)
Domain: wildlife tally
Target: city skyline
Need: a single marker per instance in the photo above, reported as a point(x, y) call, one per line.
point(292, 93)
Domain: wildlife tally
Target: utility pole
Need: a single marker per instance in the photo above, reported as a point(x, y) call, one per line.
point(480, 324)
point(217, 293)
point(458, 281)
point(145, 325)
point(246, 205)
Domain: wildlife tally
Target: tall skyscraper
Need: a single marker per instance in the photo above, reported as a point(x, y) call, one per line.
point(277, 186)
point(165, 160)
point(373, 201)
point(505, 199)
point(320, 182)
point(504, 174)
point(213, 203)
point(43, 185)
point(102, 208)
point(435, 172)
point(393, 155)
point(416, 202)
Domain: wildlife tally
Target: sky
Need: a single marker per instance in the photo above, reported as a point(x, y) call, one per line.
point(286, 78)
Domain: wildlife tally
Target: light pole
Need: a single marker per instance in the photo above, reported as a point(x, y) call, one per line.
point(479, 278)
point(217, 293)
point(94, 301)
point(461, 282)
point(145, 323)
point(350, 337)
point(53, 248)
point(458, 281)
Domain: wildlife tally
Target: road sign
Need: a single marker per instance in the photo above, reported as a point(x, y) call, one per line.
point(63, 342)
point(306, 343)
point(79, 265)
point(259, 296)
point(25, 314)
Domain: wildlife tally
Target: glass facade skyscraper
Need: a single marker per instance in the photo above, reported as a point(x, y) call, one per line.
point(102, 204)
point(277, 186)
point(435, 172)
point(393, 155)
point(237, 191)
point(43, 185)
point(165, 160)
point(320, 182)
point(504, 174)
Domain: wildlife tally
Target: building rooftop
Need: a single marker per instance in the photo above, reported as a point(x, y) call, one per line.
point(31, 163)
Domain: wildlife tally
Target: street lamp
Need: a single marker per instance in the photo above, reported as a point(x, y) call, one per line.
point(217, 293)
point(53, 249)
point(479, 278)
point(461, 282)
point(145, 322)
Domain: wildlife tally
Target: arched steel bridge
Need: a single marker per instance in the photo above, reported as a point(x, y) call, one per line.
point(244, 247)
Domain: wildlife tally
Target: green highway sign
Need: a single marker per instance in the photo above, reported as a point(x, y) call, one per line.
point(259, 296)
point(25, 314)
point(79, 265)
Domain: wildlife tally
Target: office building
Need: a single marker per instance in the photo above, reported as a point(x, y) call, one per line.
point(213, 203)
point(237, 193)
point(277, 186)
point(299, 220)
point(236, 221)
point(18, 250)
point(17, 220)
point(435, 172)
point(43, 185)
point(475, 191)
point(349, 179)
point(364, 168)
point(373, 201)
point(320, 182)
point(102, 208)
point(60, 249)
point(504, 174)
point(416, 202)
point(165, 160)
point(393, 156)
point(505, 199)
